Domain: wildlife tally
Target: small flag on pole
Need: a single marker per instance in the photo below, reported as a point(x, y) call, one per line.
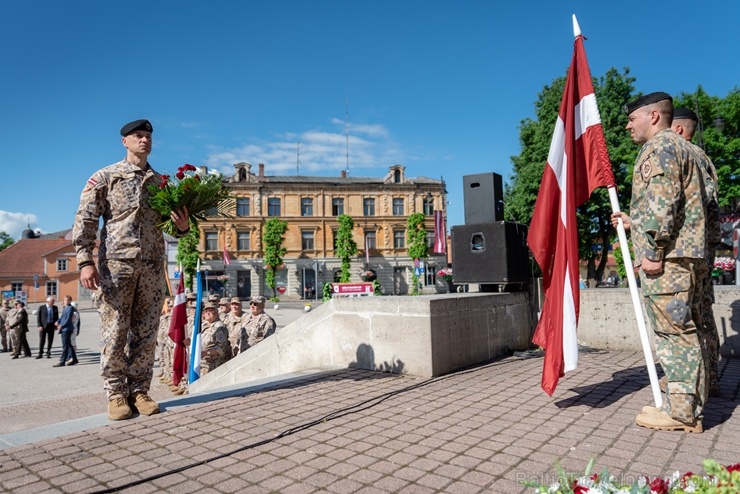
point(367, 251)
point(577, 164)
point(440, 233)
point(227, 259)
point(195, 343)
point(177, 333)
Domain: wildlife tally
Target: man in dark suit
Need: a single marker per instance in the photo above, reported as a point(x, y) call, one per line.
point(46, 319)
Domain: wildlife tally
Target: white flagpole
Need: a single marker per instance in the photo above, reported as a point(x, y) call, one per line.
point(624, 246)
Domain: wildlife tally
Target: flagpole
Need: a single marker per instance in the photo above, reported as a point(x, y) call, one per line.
point(646, 349)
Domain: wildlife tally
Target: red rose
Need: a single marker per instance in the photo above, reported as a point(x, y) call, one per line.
point(180, 175)
point(189, 167)
point(734, 468)
point(659, 486)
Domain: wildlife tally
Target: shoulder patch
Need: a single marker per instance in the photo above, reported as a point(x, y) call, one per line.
point(650, 167)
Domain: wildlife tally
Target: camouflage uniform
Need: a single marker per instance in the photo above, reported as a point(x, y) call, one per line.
point(710, 333)
point(258, 328)
point(18, 323)
point(131, 268)
point(237, 332)
point(668, 225)
point(214, 337)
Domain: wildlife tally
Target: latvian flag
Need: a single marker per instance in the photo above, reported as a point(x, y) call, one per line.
point(578, 163)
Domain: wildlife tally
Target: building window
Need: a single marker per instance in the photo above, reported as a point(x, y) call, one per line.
point(334, 240)
point(306, 206)
point(273, 206)
point(51, 288)
point(397, 176)
point(16, 287)
point(307, 240)
point(242, 206)
point(242, 240)
point(397, 206)
point(370, 241)
point(399, 239)
point(61, 264)
point(337, 206)
point(211, 241)
point(428, 206)
point(430, 239)
point(368, 206)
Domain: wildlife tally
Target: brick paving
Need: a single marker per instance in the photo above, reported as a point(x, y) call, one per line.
point(352, 431)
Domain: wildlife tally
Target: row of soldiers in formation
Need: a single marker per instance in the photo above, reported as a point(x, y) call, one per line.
point(226, 331)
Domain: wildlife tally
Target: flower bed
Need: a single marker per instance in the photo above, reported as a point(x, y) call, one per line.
point(718, 480)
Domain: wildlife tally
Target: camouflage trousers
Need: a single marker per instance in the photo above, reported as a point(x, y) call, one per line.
point(710, 334)
point(131, 300)
point(3, 336)
point(166, 345)
point(672, 301)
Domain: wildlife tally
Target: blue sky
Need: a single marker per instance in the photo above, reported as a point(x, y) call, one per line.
point(439, 87)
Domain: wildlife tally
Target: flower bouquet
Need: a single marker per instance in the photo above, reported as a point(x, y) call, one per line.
point(445, 274)
point(201, 192)
point(368, 276)
point(719, 479)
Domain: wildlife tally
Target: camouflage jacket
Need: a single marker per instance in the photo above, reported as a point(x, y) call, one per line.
point(258, 328)
point(668, 200)
point(119, 194)
point(711, 206)
point(214, 338)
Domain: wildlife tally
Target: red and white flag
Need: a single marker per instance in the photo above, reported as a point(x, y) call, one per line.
point(367, 251)
point(227, 259)
point(577, 164)
point(440, 235)
point(176, 332)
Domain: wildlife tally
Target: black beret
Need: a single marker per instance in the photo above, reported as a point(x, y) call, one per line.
point(136, 125)
point(648, 99)
point(684, 113)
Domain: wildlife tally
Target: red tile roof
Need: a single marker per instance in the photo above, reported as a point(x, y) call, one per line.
point(24, 258)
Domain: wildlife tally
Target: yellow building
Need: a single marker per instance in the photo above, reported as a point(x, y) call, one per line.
point(380, 208)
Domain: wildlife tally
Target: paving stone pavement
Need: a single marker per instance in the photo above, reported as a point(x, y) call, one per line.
point(352, 431)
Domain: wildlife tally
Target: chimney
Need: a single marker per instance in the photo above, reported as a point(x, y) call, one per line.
point(262, 170)
point(344, 174)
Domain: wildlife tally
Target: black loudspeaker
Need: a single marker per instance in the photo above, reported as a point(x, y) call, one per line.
point(483, 194)
point(493, 253)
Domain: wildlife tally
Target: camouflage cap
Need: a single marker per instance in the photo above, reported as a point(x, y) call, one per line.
point(20, 302)
point(191, 296)
point(685, 114)
point(236, 300)
point(213, 298)
point(132, 127)
point(258, 299)
point(645, 100)
point(224, 301)
point(209, 305)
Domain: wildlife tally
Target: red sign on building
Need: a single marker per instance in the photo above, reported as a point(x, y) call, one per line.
point(351, 289)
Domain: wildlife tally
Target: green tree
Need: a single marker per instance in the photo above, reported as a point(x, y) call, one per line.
point(346, 245)
point(416, 234)
point(595, 232)
point(5, 241)
point(187, 254)
point(274, 251)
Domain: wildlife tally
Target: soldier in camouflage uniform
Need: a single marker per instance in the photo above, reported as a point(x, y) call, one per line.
point(235, 324)
point(669, 239)
point(224, 309)
point(216, 349)
point(258, 325)
point(130, 270)
point(684, 124)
